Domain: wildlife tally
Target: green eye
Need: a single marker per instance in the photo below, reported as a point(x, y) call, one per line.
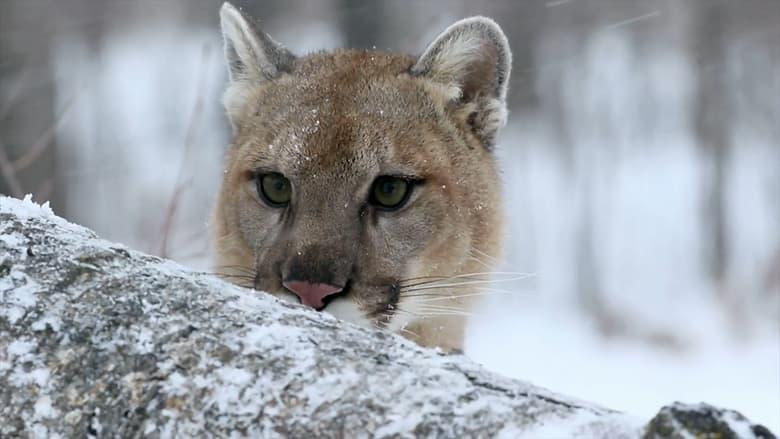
point(389, 192)
point(274, 188)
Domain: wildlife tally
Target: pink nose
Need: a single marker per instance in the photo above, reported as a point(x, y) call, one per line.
point(311, 294)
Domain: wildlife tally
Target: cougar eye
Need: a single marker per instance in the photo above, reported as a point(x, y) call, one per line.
point(274, 189)
point(389, 192)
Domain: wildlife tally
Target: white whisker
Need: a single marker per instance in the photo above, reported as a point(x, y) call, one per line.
point(461, 284)
point(479, 289)
point(413, 334)
point(441, 308)
point(490, 258)
point(433, 279)
point(446, 314)
point(444, 298)
point(479, 261)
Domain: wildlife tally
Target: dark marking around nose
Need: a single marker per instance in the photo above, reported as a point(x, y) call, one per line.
point(313, 269)
point(316, 273)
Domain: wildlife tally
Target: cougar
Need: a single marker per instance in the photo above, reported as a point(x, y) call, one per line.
point(364, 183)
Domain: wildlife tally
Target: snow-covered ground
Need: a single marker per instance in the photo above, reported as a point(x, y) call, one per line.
point(638, 169)
point(554, 347)
point(649, 267)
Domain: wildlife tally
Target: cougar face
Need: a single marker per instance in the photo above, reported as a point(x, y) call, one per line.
point(358, 182)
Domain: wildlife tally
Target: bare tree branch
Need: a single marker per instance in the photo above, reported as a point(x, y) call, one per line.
point(189, 139)
point(8, 172)
point(34, 151)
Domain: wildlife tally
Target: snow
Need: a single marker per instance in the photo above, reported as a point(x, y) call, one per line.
point(17, 295)
point(235, 376)
point(559, 428)
point(39, 377)
point(27, 208)
point(398, 424)
point(569, 357)
point(12, 239)
point(233, 383)
point(44, 409)
point(18, 348)
point(640, 170)
point(739, 426)
point(145, 341)
point(47, 321)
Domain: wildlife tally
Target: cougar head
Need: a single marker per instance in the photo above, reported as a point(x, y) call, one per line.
point(355, 178)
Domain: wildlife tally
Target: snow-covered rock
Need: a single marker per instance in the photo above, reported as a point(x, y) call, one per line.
point(100, 340)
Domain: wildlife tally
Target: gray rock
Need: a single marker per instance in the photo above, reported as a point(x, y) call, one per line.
point(681, 421)
point(99, 340)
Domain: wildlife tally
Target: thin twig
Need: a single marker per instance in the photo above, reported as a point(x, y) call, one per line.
point(33, 152)
point(471, 276)
point(45, 189)
point(199, 246)
point(633, 20)
point(16, 90)
point(9, 174)
point(173, 203)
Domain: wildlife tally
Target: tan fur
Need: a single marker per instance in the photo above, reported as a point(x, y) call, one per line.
point(332, 122)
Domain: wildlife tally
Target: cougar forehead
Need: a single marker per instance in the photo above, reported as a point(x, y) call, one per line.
point(351, 111)
point(330, 127)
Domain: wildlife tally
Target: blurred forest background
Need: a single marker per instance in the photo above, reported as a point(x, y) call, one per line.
point(641, 159)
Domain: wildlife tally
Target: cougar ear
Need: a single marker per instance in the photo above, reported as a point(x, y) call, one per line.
point(252, 57)
point(473, 59)
point(250, 53)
